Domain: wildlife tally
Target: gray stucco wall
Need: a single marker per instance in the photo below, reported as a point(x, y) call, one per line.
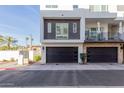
point(52, 35)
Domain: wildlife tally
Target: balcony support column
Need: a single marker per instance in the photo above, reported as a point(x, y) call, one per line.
point(98, 30)
point(121, 33)
point(98, 26)
point(82, 29)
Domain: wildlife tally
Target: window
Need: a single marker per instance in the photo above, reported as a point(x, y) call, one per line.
point(120, 8)
point(98, 8)
point(93, 33)
point(62, 31)
point(74, 27)
point(75, 6)
point(49, 28)
point(51, 6)
point(104, 8)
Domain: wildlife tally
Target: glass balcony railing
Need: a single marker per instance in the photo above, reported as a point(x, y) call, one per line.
point(116, 36)
point(94, 36)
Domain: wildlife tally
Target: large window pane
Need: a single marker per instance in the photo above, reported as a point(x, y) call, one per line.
point(98, 8)
point(104, 8)
point(74, 27)
point(49, 27)
point(62, 31)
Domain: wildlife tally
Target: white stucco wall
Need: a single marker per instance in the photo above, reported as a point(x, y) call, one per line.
point(8, 55)
point(31, 55)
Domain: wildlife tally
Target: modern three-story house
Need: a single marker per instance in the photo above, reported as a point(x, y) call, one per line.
point(65, 34)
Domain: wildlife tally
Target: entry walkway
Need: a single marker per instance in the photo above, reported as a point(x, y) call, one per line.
point(74, 66)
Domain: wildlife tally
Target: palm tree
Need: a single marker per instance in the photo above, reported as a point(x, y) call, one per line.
point(27, 38)
point(31, 40)
point(10, 41)
point(1, 39)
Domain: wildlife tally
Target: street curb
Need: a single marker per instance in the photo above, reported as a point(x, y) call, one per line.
point(2, 69)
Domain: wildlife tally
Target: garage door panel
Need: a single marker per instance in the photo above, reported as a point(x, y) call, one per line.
point(102, 54)
point(61, 54)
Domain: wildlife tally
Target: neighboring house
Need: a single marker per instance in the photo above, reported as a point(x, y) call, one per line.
point(95, 31)
point(36, 49)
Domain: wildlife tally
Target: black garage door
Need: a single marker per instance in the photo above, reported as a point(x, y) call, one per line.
point(61, 54)
point(102, 54)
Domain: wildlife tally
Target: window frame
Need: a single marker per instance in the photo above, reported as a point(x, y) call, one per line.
point(51, 6)
point(75, 27)
point(62, 33)
point(98, 8)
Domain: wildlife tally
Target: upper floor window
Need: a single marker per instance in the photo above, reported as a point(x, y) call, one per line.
point(62, 31)
point(74, 27)
point(120, 7)
point(98, 8)
point(75, 6)
point(51, 6)
point(49, 29)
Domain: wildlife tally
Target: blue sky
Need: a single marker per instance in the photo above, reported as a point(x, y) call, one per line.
point(20, 21)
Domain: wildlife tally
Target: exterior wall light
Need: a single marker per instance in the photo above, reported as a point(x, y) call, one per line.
point(121, 46)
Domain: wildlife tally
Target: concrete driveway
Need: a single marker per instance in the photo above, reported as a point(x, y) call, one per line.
point(74, 66)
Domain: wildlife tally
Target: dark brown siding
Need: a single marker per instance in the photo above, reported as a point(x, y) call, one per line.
point(52, 35)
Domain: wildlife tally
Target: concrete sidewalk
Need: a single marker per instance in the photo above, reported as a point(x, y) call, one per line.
point(74, 66)
point(10, 66)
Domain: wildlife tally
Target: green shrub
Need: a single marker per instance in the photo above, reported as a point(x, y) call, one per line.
point(83, 57)
point(37, 58)
point(4, 60)
point(12, 60)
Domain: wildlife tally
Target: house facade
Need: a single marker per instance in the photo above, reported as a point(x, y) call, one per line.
point(65, 34)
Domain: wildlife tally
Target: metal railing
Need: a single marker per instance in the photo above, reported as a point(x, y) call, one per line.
point(101, 36)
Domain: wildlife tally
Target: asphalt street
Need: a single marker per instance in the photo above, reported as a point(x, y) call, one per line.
point(64, 78)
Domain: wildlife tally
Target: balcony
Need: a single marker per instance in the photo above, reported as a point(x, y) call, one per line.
point(94, 36)
point(104, 30)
